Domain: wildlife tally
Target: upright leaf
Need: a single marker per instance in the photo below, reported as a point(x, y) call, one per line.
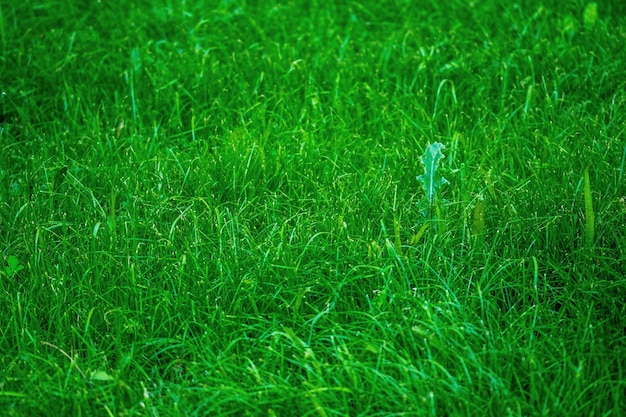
point(431, 179)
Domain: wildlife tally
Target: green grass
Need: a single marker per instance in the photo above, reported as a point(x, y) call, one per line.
point(211, 208)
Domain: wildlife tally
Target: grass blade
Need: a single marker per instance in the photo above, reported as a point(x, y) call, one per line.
point(589, 214)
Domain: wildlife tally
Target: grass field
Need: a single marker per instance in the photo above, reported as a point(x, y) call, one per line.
point(211, 208)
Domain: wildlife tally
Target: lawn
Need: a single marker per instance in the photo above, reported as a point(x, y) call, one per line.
point(213, 208)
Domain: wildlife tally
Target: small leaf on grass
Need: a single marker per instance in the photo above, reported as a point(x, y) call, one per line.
point(431, 179)
point(13, 266)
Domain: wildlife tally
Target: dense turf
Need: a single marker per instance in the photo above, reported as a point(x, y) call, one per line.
point(211, 208)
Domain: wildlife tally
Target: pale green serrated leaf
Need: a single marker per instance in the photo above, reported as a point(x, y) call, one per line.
point(431, 179)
